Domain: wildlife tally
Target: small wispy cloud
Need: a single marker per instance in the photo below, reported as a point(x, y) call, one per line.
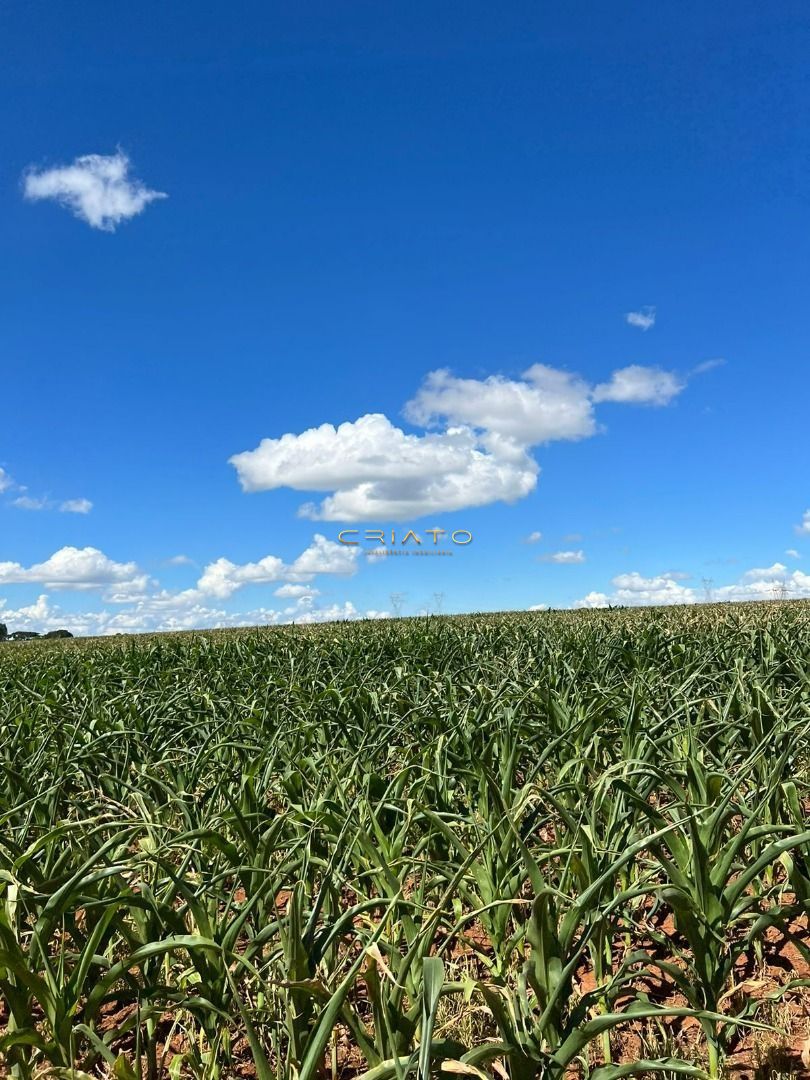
point(641, 386)
point(180, 560)
point(793, 553)
point(29, 502)
point(708, 365)
point(533, 538)
point(37, 502)
point(565, 558)
point(643, 319)
point(96, 188)
point(76, 506)
point(6, 483)
point(803, 528)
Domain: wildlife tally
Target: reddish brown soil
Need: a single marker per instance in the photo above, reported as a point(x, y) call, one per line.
point(754, 1055)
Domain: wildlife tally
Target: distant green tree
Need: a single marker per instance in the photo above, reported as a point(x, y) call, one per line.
point(3, 631)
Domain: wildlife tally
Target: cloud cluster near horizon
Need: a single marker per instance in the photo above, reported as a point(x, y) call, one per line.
point(89, 568)
point(760, 583)
point(474, 449)
point(96, 188)
point(136, 603)
point(142, 605)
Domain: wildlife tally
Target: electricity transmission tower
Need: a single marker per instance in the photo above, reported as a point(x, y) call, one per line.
point(707, 589)
point(438, 601)
point(397, 599)
point(780, 590)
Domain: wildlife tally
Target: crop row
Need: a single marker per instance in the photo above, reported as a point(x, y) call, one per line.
point(495, 846)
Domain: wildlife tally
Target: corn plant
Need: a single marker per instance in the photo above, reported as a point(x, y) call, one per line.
point(401, 849)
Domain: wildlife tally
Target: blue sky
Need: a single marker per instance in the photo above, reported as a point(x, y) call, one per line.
point(359, 197)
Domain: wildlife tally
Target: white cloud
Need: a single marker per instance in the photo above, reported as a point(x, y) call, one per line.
point(636, 385)
point(180, 560)
point(222, 578)
point(324, 557)
point(375, 471)
point(76, 506)
point(334, 613)
point(768, 583)
point(139, 609)
point(74, 568)
point(68, 506)
point(28, 617)
point(533, 538)
point(544, 406)
point(708, 365)
point(593, 600)
point(643, 319)
point(565, 558)
point(127, 587)
point(295, 592)
point(169, 613)
point(803, 528)
point(538, 607)
point(95, 188)
point(787, 586)
point(28, 502)
point(632, 588)
point(778, 570)
point(793, 553)
point(380, 473)
point(43, 502)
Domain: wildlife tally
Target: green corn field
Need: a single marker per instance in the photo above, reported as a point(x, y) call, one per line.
point(558, 844)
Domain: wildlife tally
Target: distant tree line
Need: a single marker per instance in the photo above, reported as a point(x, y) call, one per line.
point(27, 635)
